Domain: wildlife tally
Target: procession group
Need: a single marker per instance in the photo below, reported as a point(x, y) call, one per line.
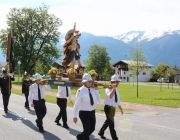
point(87, 97)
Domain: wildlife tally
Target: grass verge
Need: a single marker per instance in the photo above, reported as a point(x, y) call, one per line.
point(52, 99)
point(148, 93)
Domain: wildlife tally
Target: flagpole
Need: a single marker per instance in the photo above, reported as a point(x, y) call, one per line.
point(8, 57)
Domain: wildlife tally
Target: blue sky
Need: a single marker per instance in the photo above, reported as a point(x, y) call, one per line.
point(105, 17)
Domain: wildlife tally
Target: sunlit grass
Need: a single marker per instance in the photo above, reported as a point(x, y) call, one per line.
point(147, 94)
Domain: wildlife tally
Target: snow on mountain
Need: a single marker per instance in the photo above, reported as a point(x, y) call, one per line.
point(144, 35)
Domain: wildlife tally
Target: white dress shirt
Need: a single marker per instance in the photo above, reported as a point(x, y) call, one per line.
point(62, 92)
point(83, 100)
point(111, 101)
point(33, 92)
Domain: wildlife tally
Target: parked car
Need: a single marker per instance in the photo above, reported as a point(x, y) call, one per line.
point(166, 80)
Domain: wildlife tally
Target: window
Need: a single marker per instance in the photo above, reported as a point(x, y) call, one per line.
point(144, 73)
point(124, 77)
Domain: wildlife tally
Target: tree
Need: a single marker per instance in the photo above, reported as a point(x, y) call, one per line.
point(137, 63)
point(171, 72)
point(35, 35)
point(99, 61)
point(39, 67)
point(161, 71)
point(133, 74)
point(154, 74)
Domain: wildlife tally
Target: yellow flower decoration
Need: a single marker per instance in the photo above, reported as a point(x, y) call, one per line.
point(71, 71)
point(53, 70)
point(93, 73)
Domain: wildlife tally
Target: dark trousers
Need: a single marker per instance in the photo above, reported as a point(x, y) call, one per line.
point(40, 109)
point(62, 103)
point(110, 113)
point(5, 96)
point(26, 102)
point(88, 120)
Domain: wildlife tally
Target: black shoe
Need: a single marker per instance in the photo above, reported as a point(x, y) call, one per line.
point(36, 122)
point(77, 137)
point(42, 130)
point(66, 126)
point(28, 109)
point(102, 136)
point(57, 122)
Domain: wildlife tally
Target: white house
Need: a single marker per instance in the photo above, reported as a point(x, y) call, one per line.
point(177, 77)
point(124, 73)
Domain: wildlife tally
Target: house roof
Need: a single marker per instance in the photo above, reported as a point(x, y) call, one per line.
point(130, 61)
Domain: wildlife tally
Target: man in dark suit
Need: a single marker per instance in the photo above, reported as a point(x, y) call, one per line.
point(25, 88)
point(5, 84)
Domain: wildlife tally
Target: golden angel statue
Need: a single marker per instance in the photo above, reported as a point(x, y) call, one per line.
point(71, 48)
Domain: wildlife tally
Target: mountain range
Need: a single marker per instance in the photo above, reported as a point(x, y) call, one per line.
point(158, 46)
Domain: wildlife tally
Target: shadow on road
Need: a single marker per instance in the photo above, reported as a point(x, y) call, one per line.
point(32, 112)
point(75, 132)
point(47, 135)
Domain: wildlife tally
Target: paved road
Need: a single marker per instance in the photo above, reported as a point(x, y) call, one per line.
point(19, 124)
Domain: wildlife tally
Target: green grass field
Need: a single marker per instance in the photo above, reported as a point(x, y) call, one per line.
point(150, 95)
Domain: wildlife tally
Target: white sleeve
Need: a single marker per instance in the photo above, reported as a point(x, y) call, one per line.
point(47, 87)
point(107, 92)
point(59, 89)
point(30, 95)
point(97, 95)
point(69, 91)
point(77, 104)
point(118, 95)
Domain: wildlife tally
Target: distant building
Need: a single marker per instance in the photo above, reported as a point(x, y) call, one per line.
point(2, 65)
point(122, 70)
point(177, 77)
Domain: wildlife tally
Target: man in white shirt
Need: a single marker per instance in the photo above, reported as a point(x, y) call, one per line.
point(62, 95)
point(36, 99)
point(86, 101)
point(111, 102)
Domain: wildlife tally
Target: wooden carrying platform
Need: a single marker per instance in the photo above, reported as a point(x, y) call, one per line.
point(66, 82)
point(75, 83)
